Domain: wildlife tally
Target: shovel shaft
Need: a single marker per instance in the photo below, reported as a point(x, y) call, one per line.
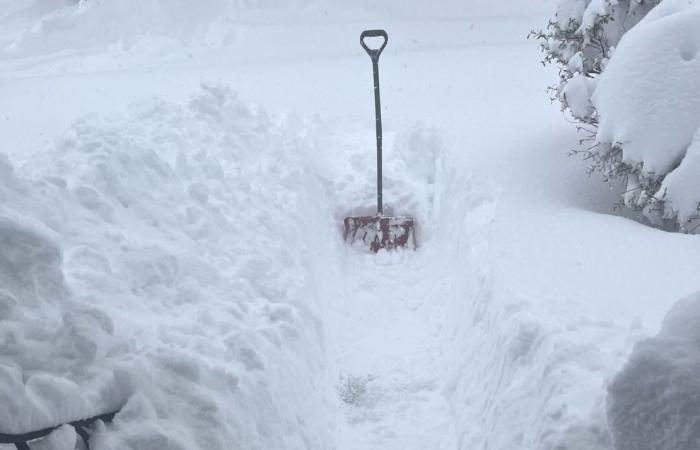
point(374, 55)
point(378, 115)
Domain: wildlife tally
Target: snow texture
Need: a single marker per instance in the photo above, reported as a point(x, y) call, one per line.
point(164, 26)
point(186, 257)
point(138, 270)
point(654, 402)
point(577, 94)
point(580, 40)
point(649, 95)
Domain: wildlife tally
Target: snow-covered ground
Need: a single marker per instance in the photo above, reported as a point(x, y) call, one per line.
point(173, 245)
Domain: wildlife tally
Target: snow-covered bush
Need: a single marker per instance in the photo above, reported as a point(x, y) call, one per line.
point(654, 402)
point(648, 101)
point(580, 40)
point(629, 75)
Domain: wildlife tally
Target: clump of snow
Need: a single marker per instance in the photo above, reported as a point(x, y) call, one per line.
point(680, 187)
point(648, 100)
point(142, 268)
point(654, 402)
point(577, 94)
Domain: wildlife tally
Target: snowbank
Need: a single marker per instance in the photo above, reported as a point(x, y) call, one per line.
point(654, 402)
point(44, 333)
point(648, 100)
point(143, 266)
point(522, 372)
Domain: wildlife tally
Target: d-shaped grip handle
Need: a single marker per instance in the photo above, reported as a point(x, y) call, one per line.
point(374, 52)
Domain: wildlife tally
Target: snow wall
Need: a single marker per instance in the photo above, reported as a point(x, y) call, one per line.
point(654, 402)
point(141, 267)
point(519, 374)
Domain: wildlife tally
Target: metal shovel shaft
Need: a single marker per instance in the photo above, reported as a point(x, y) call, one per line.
point(378, 115)
point(374, 55)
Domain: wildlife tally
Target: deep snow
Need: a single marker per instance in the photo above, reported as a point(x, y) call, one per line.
point(202, 270)
point(151, 281)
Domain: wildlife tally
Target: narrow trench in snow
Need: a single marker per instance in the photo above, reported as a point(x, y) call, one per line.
point(388, 309)
point(390, 355)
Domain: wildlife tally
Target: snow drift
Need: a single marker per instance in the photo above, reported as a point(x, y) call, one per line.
point(139, 269)
point(521, 372)
point(654, 402)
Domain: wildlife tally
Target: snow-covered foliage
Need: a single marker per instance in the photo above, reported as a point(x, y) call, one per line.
point(138, 269)
point(581, 40)
point(629, 74)
point(654, 402)
point(648, 100)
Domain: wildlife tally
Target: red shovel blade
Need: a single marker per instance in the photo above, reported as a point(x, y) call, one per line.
point(378, 232)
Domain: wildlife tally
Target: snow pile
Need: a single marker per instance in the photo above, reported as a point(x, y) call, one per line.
point(45, 331)
point(649, 103)
point(143, 265)
point(654, 402)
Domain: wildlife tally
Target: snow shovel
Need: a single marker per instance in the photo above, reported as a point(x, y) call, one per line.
point(380, 231)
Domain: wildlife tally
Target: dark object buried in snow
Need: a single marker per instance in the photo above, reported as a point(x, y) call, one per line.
point(21, 441)
point(380, 231)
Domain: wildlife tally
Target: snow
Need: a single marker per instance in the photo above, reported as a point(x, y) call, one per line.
point(185, 242)
point(653, 401)
point(679, 188)
point(154, 268)
point(578, 94)
point(570, 9)
point(653, 110)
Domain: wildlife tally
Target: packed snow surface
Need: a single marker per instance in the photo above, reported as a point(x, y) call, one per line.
point(173, 248)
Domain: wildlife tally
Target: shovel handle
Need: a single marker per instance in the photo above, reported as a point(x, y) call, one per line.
point(374, 52)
